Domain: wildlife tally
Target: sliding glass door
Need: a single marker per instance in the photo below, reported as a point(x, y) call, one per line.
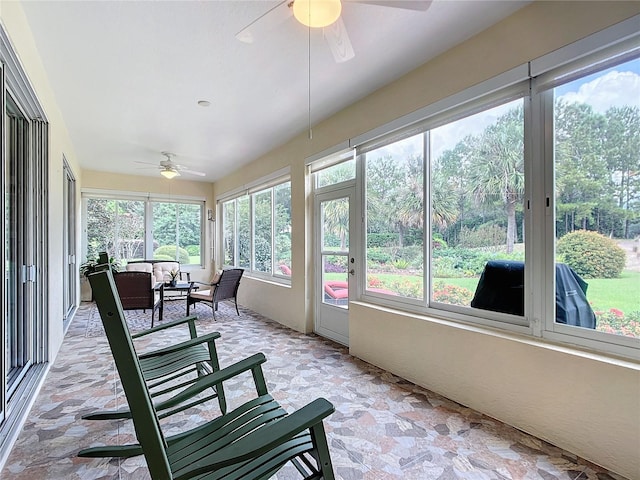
point(23, 327)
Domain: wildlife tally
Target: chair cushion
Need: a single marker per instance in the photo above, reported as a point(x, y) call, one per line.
point(139, 267)
point(142, 267)
point(202, 295)
point(161, 270)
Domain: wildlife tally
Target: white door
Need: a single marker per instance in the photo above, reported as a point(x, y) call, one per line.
point(334, 263)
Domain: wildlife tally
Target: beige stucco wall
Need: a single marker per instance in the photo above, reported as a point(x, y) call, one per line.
point(92, 179)
point(587, 404)
point(60, 145)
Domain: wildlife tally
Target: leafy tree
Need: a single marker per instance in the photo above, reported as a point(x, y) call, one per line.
point(582, 176)
point(622, 147)
point(115, 226)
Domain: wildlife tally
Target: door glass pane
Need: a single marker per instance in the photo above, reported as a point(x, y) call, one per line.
point(334, 216)
point(395, 215)
point(477, 191)
point(597, 200)
point(11, 253)
point(18, 250)
point(335, 281)
point(335, 224)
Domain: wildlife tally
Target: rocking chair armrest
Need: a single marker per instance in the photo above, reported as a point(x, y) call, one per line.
point(262, 440)
point(209, 337)
point(173, 323)
point(254, 363)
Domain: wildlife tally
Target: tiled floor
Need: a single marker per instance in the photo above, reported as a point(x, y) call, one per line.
point(383, 427)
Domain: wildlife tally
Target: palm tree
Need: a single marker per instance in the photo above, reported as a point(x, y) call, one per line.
point(335, 218)
point(498, 167)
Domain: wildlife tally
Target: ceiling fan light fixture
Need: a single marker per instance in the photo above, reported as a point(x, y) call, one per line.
point(317, 13)
point(169, 173)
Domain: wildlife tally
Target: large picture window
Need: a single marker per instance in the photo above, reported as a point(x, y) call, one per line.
point(257, 230)
point(143, 228)
point(596, 145)
point(524, 200)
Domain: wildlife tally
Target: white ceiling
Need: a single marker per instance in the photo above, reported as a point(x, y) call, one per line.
point(128, 75)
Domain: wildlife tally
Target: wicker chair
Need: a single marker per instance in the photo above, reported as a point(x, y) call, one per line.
point(223, 288)
point(136, 291)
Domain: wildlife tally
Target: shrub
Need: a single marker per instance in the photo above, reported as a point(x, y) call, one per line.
point(193, 250)
point(591, 254)
point(451, 294)
point(379, 255)
point(614, 321)
point(438, 242)
point(459, 262)
point(381, 239)
point(401, 264)
point(486, 235)
point(168, 252)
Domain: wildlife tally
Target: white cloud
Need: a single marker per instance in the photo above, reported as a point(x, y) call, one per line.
point(614, 89)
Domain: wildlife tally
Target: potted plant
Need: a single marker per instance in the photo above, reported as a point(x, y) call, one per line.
point(174, 277)
point(86, 269)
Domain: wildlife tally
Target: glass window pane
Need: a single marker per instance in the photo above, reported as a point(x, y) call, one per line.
point(177, 231)
point(244, 232)
point(597, 200)
point(395, 218)
point(229, 232)
point(335, 174)
point(477, 220)
point(282, 223)
point(117, 227)
point(262, 231)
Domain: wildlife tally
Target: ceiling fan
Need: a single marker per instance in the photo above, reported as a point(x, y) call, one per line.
point(169, 169)
point(320, 14)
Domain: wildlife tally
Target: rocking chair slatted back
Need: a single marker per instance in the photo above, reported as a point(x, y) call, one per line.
point(146, 422)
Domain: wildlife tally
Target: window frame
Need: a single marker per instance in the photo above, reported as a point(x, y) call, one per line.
point(148, 199)
point(543, 97)
point(249, 194)
point(473, 103)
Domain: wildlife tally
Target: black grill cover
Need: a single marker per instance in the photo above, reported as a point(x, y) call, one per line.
point(501, 289)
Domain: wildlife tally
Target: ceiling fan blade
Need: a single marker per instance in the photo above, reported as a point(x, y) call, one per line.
point(418, 5)
point(265, 22)
point(193, 172)
point(338, 40)
point(145, 163)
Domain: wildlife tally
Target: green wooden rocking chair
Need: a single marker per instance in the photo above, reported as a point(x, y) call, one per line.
point(167, 370)
point(251, 442)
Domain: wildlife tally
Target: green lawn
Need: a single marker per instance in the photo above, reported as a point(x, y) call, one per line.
point(622, 293)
